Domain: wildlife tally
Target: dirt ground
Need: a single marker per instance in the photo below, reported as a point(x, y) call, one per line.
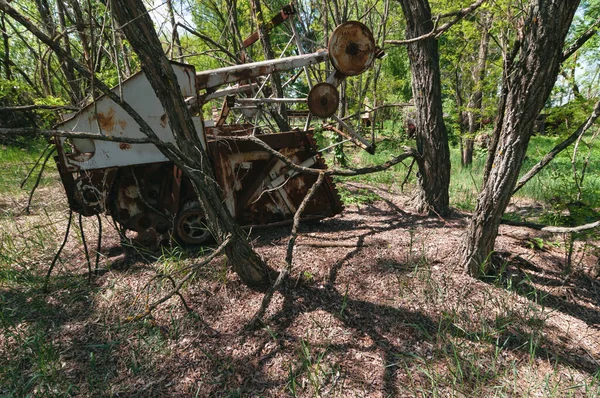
point(376, 306)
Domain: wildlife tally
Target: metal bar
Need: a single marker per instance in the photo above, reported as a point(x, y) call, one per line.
point(278, 19)
point(228, 91)
point(270, 100)
point(214, 78)
point(353, 135)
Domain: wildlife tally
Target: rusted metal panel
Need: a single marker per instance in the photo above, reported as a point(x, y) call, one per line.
point(259, 189)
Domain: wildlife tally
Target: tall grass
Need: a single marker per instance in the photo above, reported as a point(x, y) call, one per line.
point(555, 184)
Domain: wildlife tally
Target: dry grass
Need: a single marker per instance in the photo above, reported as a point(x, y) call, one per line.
point(377, 309)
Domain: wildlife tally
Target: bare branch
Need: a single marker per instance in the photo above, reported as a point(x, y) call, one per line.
point(176, 290)
point(211, 41)
point(437, 32)
point(581, 40)
point(408, 152)
point(27, 131)
point(25, 108)
point(559, 148)
point(552, 229)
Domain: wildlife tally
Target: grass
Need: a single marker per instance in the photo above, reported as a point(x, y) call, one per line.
point(17, 161)
point(554, 186)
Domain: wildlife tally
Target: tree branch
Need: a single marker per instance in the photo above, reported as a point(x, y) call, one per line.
point(408, 152)
point(25, 108)
point(559, 148)
point(79, 134)
point(552, 229)
point(436, 32)
point(581, 40)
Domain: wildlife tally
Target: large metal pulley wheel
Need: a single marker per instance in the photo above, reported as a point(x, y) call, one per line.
point(323, 100)
point(351, 48)
point(190, 226)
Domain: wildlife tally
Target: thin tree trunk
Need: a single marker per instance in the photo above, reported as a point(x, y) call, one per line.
point(475, 106)
point(138, 28)
point(280, 116)
point(531, 79)
point(6, 44)
point(176, 42)
point(431, 134)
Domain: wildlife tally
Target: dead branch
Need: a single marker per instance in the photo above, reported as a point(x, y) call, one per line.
point(559, 148)
point(283, 274)
point(176, 290)
point(24, 108)
point(408, 152)
point(38, 179)
point(552, 229)
point(211, 41)
point(437, 32)
point(28, 131)
point(60, 249)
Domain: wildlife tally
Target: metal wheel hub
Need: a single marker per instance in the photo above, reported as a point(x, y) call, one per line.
point(191, 226)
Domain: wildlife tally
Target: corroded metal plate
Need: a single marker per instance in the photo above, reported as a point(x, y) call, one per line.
point(351, 48)
point(323, 100)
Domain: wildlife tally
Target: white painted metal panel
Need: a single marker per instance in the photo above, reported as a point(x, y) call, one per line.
point(106, 117)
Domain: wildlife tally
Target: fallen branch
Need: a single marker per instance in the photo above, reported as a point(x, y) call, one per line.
point(552, 229)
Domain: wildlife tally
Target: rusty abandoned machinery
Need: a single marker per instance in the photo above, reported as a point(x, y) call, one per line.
point(146, 194)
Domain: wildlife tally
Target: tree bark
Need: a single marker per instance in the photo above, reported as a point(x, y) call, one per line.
point(138, 28)
point(530, 81)
point(6, 45)
point(475, 106)
point(431, 134)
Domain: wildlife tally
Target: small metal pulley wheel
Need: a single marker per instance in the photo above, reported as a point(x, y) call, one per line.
point(351, 48)
point(190, 226)
point(323, 100)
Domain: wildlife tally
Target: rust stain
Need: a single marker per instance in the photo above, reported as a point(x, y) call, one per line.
point(124, 146)
point(163, 120)
point(122, 124)
point(106, 121)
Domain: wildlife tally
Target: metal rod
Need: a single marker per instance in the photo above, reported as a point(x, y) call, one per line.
point(230, 74)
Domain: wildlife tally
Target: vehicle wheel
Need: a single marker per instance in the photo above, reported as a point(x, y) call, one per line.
point(191, 226)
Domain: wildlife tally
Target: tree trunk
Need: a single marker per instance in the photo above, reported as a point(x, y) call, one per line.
point(431, 135)
point(281, 115)
point(6, 45)
point(475, 106)
point(138, 28)
point(530, 81)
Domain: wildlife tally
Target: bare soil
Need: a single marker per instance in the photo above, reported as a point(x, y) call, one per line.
point(376, 306)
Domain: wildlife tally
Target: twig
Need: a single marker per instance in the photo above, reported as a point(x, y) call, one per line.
point(24, 108)
point(34, 166)
point(407, 174)
point(283, 274)
point(37, 180)
point(60, 249)
point(85, 248)
point(177, 288)
point(99, 242)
